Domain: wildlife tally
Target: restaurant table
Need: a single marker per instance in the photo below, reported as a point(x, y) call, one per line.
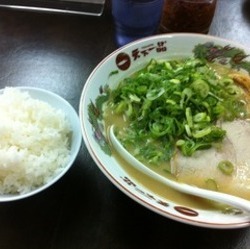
point(84, 209)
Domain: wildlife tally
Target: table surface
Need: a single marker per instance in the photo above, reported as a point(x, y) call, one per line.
point(84, 209)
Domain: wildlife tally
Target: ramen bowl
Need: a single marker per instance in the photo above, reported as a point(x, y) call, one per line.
point(121, 64)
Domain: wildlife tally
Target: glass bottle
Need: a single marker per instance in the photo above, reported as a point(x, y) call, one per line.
point(187, 16)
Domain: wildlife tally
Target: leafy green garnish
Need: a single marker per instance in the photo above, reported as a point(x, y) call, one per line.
point(211, 184)
point(226, 167)
point(174, 104)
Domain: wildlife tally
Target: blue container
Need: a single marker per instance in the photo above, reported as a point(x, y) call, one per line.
point(135, 19)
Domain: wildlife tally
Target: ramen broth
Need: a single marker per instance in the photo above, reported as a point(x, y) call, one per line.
point(160, 189)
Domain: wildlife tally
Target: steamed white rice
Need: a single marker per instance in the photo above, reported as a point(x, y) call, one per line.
point(34, 142)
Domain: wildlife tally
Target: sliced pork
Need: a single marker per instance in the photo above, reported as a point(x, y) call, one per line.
point(196, 170)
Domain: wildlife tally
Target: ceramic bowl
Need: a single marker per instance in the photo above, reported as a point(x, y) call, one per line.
point(58, 103)
point(124, 62)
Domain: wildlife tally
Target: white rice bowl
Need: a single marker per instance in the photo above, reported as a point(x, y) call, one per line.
point(39, 140)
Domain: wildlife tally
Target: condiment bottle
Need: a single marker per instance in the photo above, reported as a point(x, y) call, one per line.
point(187, 16)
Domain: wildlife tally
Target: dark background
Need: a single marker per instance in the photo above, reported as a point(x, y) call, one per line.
point(84, 209)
